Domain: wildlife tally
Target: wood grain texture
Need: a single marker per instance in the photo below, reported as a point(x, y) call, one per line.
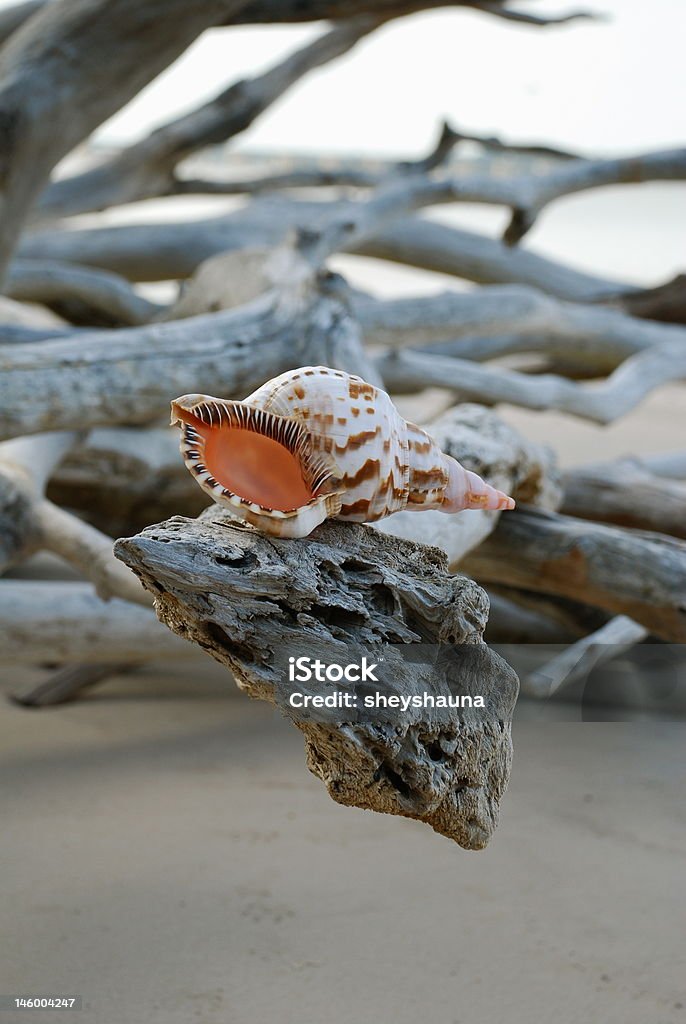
point(247, 600)
point(638, 574)
point(625, 492)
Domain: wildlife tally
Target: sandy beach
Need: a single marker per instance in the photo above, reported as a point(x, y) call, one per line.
point(170, 859)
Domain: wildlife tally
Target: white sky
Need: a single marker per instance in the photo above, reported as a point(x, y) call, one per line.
point(612, 86)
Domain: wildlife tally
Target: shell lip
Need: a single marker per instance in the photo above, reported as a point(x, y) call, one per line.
point(319, 469)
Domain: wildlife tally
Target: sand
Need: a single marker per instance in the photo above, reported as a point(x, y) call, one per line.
point(166, 855)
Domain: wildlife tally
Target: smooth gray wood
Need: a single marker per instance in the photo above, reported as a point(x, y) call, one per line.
point(628, 572)
point(625, 492)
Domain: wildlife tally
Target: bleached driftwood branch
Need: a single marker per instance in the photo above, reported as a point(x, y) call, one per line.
point(638, 574)
point(514, 319)
point(128, 377)
point(28, 522)
point(326, 172)
point(62, 684)
point(346, 591)
point(526, 18)
point(667, 464)
point(58, 621)
point(625, 492)
point(604, 402)
point(160, 252)
point(80, 294)
point(618, 635)
point(526, 195)
point(72, 66)
point(148, 168)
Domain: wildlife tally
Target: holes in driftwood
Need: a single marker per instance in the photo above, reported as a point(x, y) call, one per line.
point(396, 780)
point(219, 638)
point(244, 560)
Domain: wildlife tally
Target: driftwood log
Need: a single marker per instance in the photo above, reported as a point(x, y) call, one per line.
point(638, 574)
point(158, 252)
point(627, 493)
point(249, 601)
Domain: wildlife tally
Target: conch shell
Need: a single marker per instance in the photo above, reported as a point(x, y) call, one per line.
point(317, 443)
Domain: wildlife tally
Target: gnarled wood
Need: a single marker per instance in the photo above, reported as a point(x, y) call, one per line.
point(249, 600)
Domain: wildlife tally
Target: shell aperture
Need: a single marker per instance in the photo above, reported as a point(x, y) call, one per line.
point(316, 443)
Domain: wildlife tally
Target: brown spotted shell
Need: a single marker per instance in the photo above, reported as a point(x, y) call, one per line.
point(310, 444)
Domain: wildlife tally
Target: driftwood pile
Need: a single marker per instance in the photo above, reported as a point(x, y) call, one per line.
point(89, 363)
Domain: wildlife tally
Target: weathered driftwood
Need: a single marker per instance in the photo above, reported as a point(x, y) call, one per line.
point(527, 195)
point(124, 478)
point(570, 618)
point(251, 601)
point(101, 378)
point(293, 11)
point(604, 402)
point(72, 66)
point(667, 464)
point(666, 302)
point(65, 683)
point(618, 635)
point(12, 18)
point(29, 522)
point(160, 252)
point(517, 319)
point(625, 492)
point(483, 443)
point(59, 621)
point(634, 573)
point(513, 623)
point(25, 467)
point(82, 295)
point(148, 167)
point(328, 171)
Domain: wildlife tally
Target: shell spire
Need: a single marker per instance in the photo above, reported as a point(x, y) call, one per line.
point(317, 443)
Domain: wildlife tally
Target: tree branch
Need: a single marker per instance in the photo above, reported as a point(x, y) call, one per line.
point(515, 319)
point(579, 659)
point(81, 294)
point(59, 622)
point(70, 67)
point(160, 252)
point(147, 168)
point(128, 376)
point(625, 388)
point(626, 493)
point(28, 522)
point(640, 575)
